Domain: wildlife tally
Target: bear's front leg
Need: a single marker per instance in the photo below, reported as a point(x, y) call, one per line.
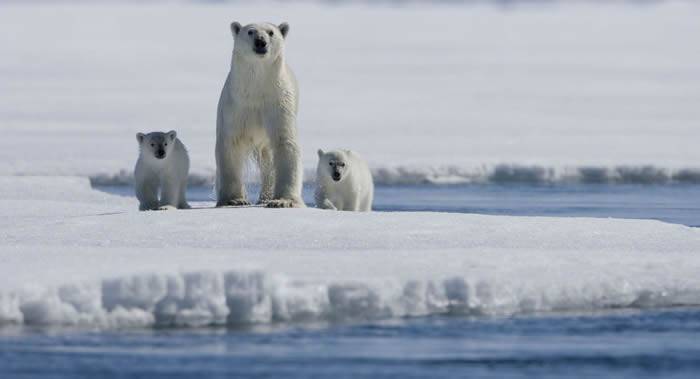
point(230, 161)
point(267, 175)
point(288, 170)
point(183, 195)
point(322, 201)
point(147, 192)
point(169, 194)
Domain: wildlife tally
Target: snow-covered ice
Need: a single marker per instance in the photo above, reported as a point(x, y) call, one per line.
point(70, 255)
point(568, 91)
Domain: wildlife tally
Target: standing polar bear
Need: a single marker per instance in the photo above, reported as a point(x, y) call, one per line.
point(256, 118)
point(343, 181)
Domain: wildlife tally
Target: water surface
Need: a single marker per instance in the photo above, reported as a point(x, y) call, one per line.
point(677, 203)
point(620, 344)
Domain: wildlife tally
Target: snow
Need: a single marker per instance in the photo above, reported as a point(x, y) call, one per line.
point(559, 92)
point(71, 255)
point(442, 94)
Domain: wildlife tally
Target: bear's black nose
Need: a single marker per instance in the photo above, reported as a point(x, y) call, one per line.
point(336, 176)
point(260, 43)
point(160, 153)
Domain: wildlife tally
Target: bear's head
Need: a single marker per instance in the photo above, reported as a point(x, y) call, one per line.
point(156, 144)
point(333, 164)
point(262, 41)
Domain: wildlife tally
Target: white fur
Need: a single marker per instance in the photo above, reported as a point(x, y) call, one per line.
point(166, 177)
point(355, 189)
point(257, 117)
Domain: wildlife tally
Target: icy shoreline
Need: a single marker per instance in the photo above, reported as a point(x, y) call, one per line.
point(236, 297)
point(71, 255)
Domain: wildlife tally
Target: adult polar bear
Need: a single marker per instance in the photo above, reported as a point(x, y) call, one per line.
point(257, 117)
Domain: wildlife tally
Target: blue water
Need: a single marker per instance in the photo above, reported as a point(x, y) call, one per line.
point(610, 343)
point(678, 204)
point(620, 344)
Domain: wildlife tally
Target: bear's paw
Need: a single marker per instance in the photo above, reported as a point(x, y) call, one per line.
point(285, 203)
point(233, 203)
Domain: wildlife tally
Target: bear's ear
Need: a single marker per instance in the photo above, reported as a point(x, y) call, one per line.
point(140, 137)
point(235, 28)
point(320, 153)
point(284, 29)
point(172, 134)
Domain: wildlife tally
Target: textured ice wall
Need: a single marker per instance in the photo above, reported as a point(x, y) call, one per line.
point(244, 297)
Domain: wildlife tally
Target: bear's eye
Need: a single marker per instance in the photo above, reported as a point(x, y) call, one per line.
point(330, 163)
point(166, 144)
point(271, 33)
point(153, 145)
point(341, 164)
point(250, 32)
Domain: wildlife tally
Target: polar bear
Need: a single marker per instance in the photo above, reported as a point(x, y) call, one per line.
point(256, 118)
point(343, 182)
point(162, 167)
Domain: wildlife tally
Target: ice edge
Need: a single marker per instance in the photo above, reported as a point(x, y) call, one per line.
point(486, 174)
point(207, 298)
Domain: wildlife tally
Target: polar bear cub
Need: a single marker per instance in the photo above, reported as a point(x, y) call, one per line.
point(162, 168)
point(343, 181)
